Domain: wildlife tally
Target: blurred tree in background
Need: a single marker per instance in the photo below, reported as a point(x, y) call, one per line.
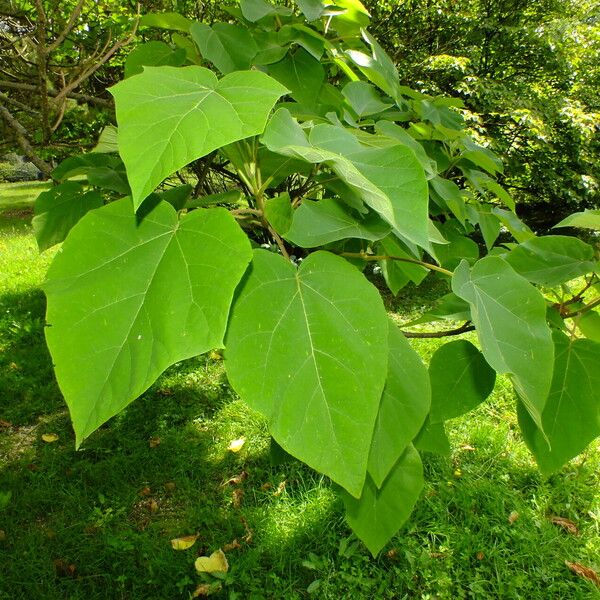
point(529, 75)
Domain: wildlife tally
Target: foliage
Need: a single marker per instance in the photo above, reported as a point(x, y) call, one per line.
point(483, 526)
point(529, 75)
point(319, 155)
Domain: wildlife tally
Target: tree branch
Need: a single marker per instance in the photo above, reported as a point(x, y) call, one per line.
point(21, 135)
point(26, 87)
point(68, 28)
point(440, 334)
point(414, 261)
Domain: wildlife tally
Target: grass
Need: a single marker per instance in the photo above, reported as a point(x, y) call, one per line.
point(15, 196)
point(97, 523)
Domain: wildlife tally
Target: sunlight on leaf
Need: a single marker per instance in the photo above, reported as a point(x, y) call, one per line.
point(215, 563)
point(183, 543)
point(236, 445)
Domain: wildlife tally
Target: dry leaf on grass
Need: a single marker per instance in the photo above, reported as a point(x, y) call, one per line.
point(566, 524)
point(49, 437)
point(183, 543)
point(514, 516)
point(480, 556)
point(232, 546)
point(280, 489)
point(236, 480)
point(236, 445)
point(145, 491)
point(207, 589)
point(237, 497)
point(583, 571)
point(63, 568)
point(2, 535)
point(5, 424)
point(215, 563)
point(152, 506)
point(153, 442)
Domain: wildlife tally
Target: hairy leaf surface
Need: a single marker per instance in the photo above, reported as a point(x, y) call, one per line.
point(404, 406)
point(307, 347)
point(380, 512)
point(510, 317)
point(171, 116)
point(571, 417)
point(128, 299)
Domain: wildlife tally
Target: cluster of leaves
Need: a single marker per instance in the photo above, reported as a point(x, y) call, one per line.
point(529, 74)
point(300, 161)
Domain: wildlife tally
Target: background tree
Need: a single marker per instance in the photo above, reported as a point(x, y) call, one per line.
point(527, 72)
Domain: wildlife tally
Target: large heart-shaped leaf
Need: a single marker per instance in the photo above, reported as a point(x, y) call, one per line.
point(571, 417)
point(403, 408)
point(307, 347)
point(380, 512)
point(171, 116)
point(510, 317)
point(128, 299)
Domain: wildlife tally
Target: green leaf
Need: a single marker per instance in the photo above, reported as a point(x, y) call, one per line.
point(59, 209)
point(180, 114)
point(364, 98)
point(228, 47)
point(107, 142)
point(449, 307)
point(380, 513)
point(279, 213)
point(311, 9)
point(510, 317)
point(101, 170)
point(127, 299)
point(589, 325)
point(302, 74)
point(398, 273)
point(255, 10)
point(552, 260)
point(571, 417)
point(328, 220)
point(310, 39)
point(490, 228)
point(588, 219)
point(308, 349)
point(377, 67)
point(517, 228)
point(351, 19)
point(153, 54)
point(460, 247)
point(404, 406)
point(451, 195)
point(167, 20)
point(460, 380)
point(432, 438)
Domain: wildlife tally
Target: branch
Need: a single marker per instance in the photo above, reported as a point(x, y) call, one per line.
point(98, 63)
point(414, 261)
point(68, 28)
point(26, 87)
point(18, 104)
point(583, 310)
point(440, 334)
point(21, 135)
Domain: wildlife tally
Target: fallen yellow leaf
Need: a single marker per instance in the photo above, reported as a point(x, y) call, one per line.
point(566, 524)
point(215, 563)
point(236, 445)
point(183, 543)
point(49, 437)
point(583, 571)
point(513, 517)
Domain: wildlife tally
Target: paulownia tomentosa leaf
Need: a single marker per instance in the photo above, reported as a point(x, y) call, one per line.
point(571, 417)
point(380, 512)
point(389, 180)
point(552, 260)
point(127, 299)
point(510, 317)
point(461, 379)
point(59, 209)
point(170, 116)
point(403, 408)
point(308, 348)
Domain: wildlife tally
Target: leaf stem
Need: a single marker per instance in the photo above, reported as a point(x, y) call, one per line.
point(372, 257)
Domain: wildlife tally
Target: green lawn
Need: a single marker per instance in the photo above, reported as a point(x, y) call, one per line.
point(97, 523)
point(17, 196)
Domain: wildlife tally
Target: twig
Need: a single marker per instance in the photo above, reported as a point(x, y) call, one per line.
point(440, 334)
point(26, 87)
point(68, 28)
point(583, 310)
point(21, 135)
